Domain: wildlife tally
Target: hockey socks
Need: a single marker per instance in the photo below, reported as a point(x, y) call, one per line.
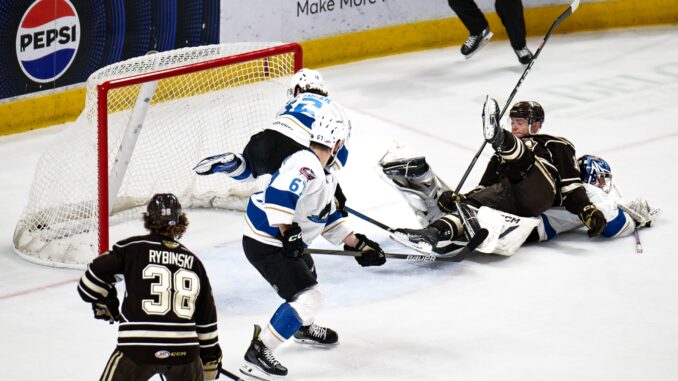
point(284, 323)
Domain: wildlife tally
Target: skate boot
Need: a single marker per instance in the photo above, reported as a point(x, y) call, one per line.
point(476, 41)
point(260, 362)
point(492, 131)
point(316, 335)
point(524, 55)
point(226, 162)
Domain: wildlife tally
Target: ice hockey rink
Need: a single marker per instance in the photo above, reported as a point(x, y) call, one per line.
point(570, 309)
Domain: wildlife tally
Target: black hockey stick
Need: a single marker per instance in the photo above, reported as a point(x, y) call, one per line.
point(370, 220)
point(230, 375)
point(477, 239)
point(563, 16)
point(408, 257)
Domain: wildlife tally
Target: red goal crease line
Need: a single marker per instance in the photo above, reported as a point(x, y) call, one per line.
point(37, 289)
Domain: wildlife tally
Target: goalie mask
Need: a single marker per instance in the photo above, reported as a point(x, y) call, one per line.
point(163, 209)
point(595, 171)
point(529, 110)
point(307, 80)
point(330, 130)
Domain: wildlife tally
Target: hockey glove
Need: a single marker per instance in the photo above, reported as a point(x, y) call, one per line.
point(447, 200)
point(372, 254)
point(108, 309)
point(593, 219)
point(211, 369)
point(293, 245)
point(340, 201)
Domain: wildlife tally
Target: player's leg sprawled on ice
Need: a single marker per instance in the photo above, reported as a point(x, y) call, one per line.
point(528, 174)
point(297, 207)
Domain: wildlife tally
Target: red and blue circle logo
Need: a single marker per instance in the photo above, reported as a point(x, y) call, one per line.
point(47, 40)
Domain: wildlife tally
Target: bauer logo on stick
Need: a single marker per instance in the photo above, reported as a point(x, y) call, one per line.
point(47, 39)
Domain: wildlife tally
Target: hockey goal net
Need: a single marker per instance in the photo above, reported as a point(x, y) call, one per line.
point(147, 121)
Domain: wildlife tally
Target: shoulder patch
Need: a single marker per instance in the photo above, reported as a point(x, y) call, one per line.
point(307, 173)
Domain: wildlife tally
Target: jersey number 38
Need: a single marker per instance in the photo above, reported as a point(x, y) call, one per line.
point(186, 286)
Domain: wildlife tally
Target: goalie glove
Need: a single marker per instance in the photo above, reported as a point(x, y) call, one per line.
point(372, 254)
point(593, 219)
point(108, 309)
point(211, 369)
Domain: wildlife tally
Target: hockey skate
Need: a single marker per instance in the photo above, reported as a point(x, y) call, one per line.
point(524, 55)
point(260, 362)
point(476, 41)
point(421, 240)
point(316, 335)
point(492, 131)
point(226, 162)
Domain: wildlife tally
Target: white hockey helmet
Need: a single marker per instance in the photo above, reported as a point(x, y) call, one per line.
point(330, 129)
point(307, 79)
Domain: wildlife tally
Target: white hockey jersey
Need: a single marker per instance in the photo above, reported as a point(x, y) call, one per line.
point(300, 191)
point(296, 118)
point(558, 220)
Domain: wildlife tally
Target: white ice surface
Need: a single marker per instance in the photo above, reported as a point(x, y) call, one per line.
point(571, 309)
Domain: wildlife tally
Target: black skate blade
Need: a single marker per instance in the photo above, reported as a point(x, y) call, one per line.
point(254, 372)
point(315, 344)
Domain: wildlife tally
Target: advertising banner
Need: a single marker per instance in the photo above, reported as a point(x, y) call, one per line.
point(302, 20)
point(47, 44)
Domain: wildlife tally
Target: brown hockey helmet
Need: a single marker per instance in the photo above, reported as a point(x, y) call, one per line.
point(530, 110)
point(163, 209)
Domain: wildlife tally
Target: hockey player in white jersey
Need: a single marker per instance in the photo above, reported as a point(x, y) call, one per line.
point(297, 207)
point(290, 132)
point(623, 217)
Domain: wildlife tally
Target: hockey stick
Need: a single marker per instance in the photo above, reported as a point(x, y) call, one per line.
point(370, 220)
point(639, 247)
point(230, 375)
point(408, 257)
point(474, 241)
point(563, 16)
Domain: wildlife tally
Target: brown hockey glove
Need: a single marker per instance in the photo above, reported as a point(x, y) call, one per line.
point(447, 200)
point(372, 254)
point(293, 244)
point(211, 369)
point(593, 219)
point(108, 309)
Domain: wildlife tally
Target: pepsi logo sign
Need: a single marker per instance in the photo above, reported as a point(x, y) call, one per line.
point(47, 40)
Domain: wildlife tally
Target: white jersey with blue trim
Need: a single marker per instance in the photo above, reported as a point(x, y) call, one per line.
point(558, 220)
point(301, 192)
point(296, 118)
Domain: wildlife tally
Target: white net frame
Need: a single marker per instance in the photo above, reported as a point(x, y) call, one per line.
point(207, 100)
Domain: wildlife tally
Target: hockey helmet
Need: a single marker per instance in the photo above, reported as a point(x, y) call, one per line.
point(329, 128)
point(306, 80)
point(163, 209)
point(595, 171)
point(530, 110)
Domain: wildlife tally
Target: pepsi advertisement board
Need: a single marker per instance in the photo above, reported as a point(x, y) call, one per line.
point(47, 44)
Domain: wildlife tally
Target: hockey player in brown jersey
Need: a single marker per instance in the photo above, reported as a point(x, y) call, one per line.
point(168, 321)
point(528, 174)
